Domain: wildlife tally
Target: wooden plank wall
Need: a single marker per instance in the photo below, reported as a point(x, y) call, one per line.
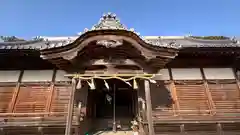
point(34, 97)
point(199, 105)
point(37, 104)
point(194, 101)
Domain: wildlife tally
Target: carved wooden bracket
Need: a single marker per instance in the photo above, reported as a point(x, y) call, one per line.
point(70, 56)
point(110, 43)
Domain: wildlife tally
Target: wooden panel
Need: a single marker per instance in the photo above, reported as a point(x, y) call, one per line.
point(231, 127)
point(6, 93)
point(37, 76)
point(51, 130)
point(192, 98)
point(186, 74)
point(238, 75)
point(162, 102)
point(225, 95)
point(210, 127)
point(186, 129)
point(9, 76)
point(60, 76)
point(32, 98)
point(167, 128)
point(218, 73)
point(60, 99)
point(163, 74)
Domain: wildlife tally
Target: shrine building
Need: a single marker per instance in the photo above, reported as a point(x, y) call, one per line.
point(108, 76)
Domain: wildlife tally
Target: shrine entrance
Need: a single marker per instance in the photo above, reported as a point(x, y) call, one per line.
point(113, 104)
point(110, 48)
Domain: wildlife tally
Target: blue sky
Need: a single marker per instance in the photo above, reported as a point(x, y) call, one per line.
point(29, 18)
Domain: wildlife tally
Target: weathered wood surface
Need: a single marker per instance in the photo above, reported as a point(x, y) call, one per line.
point(56, 130)
point(197, 129)
point(191, 115)
point(191, 112)
point(194, 103)
point(31, 107)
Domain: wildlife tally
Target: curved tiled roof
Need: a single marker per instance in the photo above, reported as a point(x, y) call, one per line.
point(111, 22)
point(51, 42)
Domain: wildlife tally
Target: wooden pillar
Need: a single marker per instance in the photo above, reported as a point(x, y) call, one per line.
point(15, 94)
point(237, 79)
point(208, 93)
point(70, 109)
point(49, 100)
point(149, 107)
point(173, 90)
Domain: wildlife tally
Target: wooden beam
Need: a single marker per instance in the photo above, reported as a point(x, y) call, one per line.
point(49, 100)
point(15, 94)
point(35, 114)
point(175, 97)
point(237, 79)
point(176, 106)
point(208, 93)
point(149, 107)
point(70, 109)
point(96, 74)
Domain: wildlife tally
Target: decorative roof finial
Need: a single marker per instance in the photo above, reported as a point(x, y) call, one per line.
point(109, 21)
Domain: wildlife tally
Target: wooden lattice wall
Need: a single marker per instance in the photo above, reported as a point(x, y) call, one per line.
point(206, 106)
point(194, 101)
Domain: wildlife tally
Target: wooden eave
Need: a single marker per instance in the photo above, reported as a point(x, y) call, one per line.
point(132, 46)
point(213, 50)
point(90, 34)
point(22, 59)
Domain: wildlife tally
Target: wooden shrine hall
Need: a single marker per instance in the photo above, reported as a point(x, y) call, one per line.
point(106, 77)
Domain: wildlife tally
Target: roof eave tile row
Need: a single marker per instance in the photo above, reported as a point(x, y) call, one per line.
point(41, 45)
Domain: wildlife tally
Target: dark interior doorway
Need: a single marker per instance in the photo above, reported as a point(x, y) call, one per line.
point(101, 100)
